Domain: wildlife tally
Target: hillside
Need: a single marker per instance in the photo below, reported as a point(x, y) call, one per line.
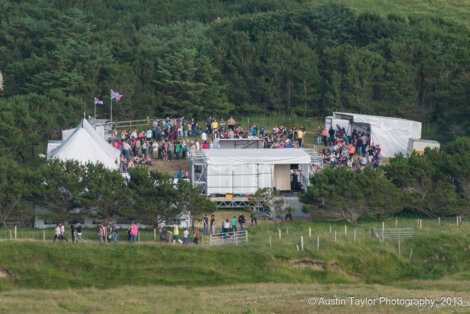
point(436, 254)
point(249, 278)
point(307, 58)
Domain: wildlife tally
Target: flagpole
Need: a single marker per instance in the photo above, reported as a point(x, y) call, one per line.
point(111, 98)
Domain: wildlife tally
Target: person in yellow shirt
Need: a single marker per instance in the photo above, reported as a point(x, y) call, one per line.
point(300, 137)
point(214, 126)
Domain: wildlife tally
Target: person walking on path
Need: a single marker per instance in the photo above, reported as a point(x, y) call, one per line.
point(134, 232)
point(196, 236)
point(254, 217)
point(234, 224)
point(62, 233)
point(57, 233)
point(114, 234)
point(78, 230)
point(186, 236)
point(206, 224)
point(73, 233)
point(102, 234)
point(212, 224)
point(176, 234)
point(289, 213)
point(241, 221)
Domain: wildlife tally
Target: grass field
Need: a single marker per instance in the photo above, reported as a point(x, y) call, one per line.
point(266, 275)
point(246, 298)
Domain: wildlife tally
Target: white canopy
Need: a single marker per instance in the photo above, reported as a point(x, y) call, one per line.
point(85, 145)
point(245, 171)
point(392, 134)
point(279, 156)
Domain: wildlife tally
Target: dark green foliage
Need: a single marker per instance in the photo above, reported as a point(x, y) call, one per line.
point(349, 194)
point(15, 191)
point(178, 58)
point(106, 195)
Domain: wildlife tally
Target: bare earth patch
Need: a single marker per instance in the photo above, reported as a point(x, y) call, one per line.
point(5, 273)
point(314, 263)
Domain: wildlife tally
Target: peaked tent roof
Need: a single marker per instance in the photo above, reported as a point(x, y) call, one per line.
point(85, 145)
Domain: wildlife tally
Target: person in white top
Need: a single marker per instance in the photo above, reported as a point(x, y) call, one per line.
point(57, 233)
point(186, 236)
point(204, 137)
point(62, 233)
point(198, 145)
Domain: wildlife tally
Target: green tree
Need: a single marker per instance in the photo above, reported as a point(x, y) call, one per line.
point(106, 195)
point(59, 189)
point(351, 194)
point(15, 193)
point(153, 195)
point(424, 183)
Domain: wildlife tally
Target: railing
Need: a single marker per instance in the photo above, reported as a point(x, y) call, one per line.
point(392, 233)
point(232, 237)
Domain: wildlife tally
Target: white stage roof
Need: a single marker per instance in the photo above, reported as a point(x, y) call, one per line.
point(256, 156)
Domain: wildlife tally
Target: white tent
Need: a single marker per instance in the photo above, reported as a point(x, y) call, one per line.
point(85, 145)
point(246, 171)
point(392, 134)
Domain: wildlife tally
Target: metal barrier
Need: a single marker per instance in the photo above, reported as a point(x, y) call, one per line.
point(392, 233)
point(232, 237)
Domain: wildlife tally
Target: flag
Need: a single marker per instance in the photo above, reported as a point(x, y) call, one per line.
point(98, 101)
point(115, 96)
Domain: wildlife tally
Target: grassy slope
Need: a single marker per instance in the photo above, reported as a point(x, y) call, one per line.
point(437, 252)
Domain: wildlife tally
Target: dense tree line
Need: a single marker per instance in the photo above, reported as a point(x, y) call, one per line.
point(435, 184)
point(71, 191)
point(212, 57)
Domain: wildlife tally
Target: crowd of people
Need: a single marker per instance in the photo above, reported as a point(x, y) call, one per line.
point(355, 150)
point(179, 138)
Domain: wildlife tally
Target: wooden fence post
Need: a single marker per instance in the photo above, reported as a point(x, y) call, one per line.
point(280, 234)
point(399, 248)
point(354, 237)
point(457, 218)
point(383, 231)
point(270, 242)
point(43, 235)
point(138, 237)
point(335, 236)
point(411, 254)
point(246, 235)
point(287, 231)
point(11, 237)
point(330, 228)
point(439, 220)
point(318, 242)
point(155, 234)
point(16, 230)
point(309, 232)
point(396, 223)
point(302, 242)
point(345, 229)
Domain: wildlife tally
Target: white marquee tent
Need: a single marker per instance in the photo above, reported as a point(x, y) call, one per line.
point(392, 134)
point(245, 171)
point(85, 145)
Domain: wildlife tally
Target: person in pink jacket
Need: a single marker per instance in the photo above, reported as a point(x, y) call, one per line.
point(134, 232)
point(102, 234)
